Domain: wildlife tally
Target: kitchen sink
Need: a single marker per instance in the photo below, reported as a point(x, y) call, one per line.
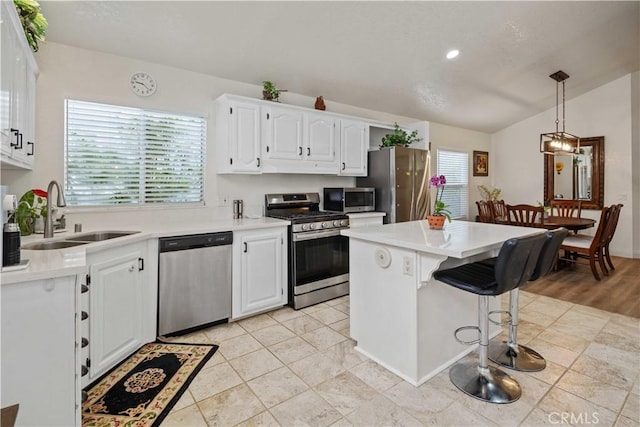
point(59, 244)
point(98, 236)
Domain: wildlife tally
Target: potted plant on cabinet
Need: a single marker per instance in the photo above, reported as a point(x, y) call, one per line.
point(270, 92)
point(399, 137)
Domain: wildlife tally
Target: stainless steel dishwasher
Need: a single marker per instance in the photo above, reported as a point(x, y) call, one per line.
point(194, 281)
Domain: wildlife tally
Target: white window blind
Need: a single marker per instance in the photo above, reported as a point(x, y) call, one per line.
point(128, 156)
point(454, 165)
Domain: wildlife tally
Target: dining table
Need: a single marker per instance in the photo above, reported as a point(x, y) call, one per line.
point(570, 223)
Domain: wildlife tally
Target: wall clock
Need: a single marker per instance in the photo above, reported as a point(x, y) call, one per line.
point(142, 84)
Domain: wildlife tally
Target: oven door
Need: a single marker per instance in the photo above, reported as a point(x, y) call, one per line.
point(319, 259)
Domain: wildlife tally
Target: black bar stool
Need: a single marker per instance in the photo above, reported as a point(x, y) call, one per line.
point(513, 266)
point(509, 353)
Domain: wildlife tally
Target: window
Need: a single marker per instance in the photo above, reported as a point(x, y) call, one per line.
point(455, 166)
point(129, 156)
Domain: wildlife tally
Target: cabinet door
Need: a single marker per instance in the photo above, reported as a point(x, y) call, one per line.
point(6, 80)
point(283, 134)
point(259, 271)
point(39, 359)
point(116, 313)
point(354, 140)
point(244, 136)
point(320, 140)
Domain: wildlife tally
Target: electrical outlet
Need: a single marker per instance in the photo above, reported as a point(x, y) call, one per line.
point(407, 266)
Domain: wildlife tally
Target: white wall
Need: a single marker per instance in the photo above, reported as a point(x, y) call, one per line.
point(68, 72)
point(457, 139)
point(605, 111)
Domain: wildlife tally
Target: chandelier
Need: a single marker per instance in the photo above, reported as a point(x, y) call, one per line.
point(559, 141)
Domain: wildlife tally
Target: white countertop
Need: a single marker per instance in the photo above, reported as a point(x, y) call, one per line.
point(45, 264)
point(458, 239)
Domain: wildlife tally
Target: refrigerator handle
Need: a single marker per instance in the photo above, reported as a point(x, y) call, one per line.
point(423, 195)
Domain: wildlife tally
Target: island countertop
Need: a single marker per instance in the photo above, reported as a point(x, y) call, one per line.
point(458, 239)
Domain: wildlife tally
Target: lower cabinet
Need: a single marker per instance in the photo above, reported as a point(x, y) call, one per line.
point(117, 306)
point(40, 356)
point(259, 270)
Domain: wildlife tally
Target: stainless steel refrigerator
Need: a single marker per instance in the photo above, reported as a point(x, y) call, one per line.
point(399, 176)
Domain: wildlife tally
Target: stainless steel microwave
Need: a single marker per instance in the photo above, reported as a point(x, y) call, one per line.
point(340, 199)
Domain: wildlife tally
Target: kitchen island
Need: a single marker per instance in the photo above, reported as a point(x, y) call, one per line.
point(401, 317)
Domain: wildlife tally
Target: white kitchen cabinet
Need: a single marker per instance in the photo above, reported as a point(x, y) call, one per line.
point(239, 136)
point(118, 311)
point(282, 143)
point(40, 358)
point(354, 143)
point(259, 270)
point(320, 142)
point(17, 92)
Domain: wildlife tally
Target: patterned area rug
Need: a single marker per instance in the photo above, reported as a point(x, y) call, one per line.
point(142, 390)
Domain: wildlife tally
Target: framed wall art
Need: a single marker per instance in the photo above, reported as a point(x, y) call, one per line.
point(480, 163)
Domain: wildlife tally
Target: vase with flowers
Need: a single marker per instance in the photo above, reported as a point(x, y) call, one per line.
point(32, 205)
point(440, 209)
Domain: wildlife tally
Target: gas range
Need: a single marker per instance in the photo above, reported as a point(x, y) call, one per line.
point(318, 253)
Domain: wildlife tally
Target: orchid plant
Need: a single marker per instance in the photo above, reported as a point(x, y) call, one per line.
point(439, 208)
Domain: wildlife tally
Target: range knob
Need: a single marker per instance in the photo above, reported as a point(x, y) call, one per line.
point(305, 227)
point(344, 222)
point(336, 223)
point(324, 225)
point(312, 226)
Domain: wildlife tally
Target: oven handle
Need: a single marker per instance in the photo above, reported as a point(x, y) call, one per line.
point(299, 237)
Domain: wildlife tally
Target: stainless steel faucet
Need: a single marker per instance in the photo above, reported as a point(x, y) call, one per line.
point(48, 224)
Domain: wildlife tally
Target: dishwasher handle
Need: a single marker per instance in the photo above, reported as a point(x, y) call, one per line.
point(194, 241)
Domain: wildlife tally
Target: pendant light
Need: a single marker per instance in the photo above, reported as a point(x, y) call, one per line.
point(559, 142)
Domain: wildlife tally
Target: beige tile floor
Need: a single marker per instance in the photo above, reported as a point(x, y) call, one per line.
point(294, 368)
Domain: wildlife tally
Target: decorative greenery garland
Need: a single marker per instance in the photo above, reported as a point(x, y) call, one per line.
point(32, 20)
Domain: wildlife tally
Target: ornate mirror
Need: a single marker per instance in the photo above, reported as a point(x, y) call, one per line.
point(577, 176)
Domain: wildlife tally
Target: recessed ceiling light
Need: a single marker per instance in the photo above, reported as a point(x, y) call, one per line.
point(452, 53)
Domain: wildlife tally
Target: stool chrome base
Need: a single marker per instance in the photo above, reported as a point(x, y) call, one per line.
point(490, 384)
point(523, 359)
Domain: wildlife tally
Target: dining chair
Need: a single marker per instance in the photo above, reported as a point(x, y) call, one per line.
point(608, 234)
point(566, 208)
point(525, 215)
point(499, 209)
point(589, 247)
point(485, 213)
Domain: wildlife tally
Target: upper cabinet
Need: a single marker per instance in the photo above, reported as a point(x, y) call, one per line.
point(268, 137)
point(17, 92)
point(354, 137)
point(238, 136)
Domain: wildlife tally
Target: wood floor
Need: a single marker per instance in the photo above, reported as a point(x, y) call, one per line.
point(617, 293)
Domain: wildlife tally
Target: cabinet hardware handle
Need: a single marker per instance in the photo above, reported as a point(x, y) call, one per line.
point(33, 148)
point(300, 151)
point(230, 110)
point(308, 151)
point(267, 148)
point(140, 264)
point(245, 247)
point(343, 166)
point(267, 116)
point(85, 370)
point(258, 161)
point(230, 160)
point(84, 315)
point(84, 289)
point(16, 132)
point(85, 342)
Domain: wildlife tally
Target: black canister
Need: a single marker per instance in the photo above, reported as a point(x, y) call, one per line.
point(10, 244)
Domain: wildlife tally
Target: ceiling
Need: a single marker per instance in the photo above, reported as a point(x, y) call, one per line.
point(385, 56)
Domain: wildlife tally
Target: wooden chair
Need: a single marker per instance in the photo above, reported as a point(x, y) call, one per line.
point(608, 234)
point(485, 213)
point(566, 208)
point(589, 247)
point(499, 209)
point(525, 215)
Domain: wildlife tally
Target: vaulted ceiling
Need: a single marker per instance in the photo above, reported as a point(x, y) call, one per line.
point(385, 56)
